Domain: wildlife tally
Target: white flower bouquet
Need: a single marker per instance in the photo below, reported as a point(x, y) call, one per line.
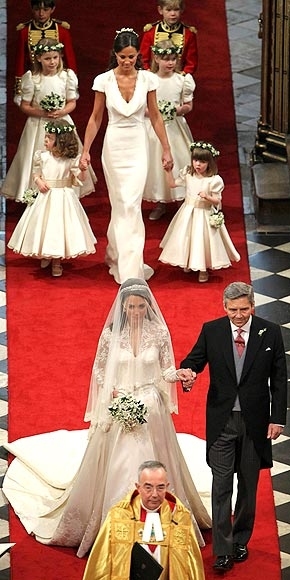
point(216, 218)
point(129, 412)
point(167, 110)
point(52, 102)
point(29, 196)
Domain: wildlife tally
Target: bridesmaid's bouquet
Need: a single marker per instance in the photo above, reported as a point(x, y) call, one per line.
point(167, 110)
point(52, 102)
point(216, 218)
point(128, 412)
point(29, 196)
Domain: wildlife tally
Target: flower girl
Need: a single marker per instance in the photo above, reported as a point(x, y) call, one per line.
point(55, 225)
point(47, 93)
point(174, 95)
point(197, 238)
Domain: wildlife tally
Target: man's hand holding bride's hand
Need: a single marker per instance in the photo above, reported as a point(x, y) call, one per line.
point(187, 377)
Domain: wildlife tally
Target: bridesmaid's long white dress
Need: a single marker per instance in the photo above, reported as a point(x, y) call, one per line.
point(125, 165)
point(33, 89)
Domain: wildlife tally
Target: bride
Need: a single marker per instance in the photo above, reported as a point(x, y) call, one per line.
point(134, 365)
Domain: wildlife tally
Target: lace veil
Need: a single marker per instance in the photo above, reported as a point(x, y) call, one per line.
point(134, 351)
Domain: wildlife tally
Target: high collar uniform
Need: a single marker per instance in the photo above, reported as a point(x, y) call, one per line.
point(182, 35)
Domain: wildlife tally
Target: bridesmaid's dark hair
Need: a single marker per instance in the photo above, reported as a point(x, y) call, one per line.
point(124, 38)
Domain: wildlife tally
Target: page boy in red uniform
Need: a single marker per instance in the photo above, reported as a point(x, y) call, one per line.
point(42, 25)
point(171, 27)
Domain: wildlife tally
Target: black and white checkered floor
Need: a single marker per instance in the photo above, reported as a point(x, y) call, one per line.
point(269, 254)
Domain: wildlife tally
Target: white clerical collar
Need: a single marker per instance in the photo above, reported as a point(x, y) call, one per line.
point(150, 511)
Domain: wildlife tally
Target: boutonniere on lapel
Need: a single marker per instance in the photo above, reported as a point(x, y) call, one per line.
point(261, 332)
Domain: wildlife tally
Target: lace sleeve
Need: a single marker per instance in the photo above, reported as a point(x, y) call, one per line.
point(93, 408)
point(168, 371)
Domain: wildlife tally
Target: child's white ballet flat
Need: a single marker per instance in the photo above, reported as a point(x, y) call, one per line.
point(203, 276)
point(56, 270)
point(44, 263)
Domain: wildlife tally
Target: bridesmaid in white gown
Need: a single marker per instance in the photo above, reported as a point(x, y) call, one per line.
point(47, 80)
point(134, 359)
point(126, 91)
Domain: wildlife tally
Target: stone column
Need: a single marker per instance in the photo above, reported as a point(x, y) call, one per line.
point(273, 130)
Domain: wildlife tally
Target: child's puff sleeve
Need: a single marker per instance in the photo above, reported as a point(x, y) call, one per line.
point(72, 91)
point(75, 170)
point(188, 88)
point(37, 165)
point(180, 180)
point(27, 87)
point(217, 186)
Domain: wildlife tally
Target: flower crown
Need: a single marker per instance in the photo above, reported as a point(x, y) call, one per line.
point(51, 127)
point(204, 145)
point(159, 51)
point(41, 48)
point(126, 30)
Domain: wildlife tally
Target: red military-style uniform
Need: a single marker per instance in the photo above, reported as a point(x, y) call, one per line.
point(181, 34)
point(29, 33)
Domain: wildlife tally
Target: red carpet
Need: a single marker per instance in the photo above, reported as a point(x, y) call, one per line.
point(54, 324)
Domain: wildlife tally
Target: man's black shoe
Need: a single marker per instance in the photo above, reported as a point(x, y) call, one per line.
point(223, 563)
point(240, 553)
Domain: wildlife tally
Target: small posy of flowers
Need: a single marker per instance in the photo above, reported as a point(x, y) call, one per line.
point(262, 331)
point(29, 196)
point(167, 110)
point(128, 412)
point(52, 102)
point(216, 218)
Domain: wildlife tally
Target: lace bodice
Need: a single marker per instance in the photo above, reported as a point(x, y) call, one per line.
point(131, 371)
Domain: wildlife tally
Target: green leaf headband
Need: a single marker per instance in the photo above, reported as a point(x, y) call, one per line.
point(164, 51)
point(51, 127)
point(41, 48)
point(203, 145)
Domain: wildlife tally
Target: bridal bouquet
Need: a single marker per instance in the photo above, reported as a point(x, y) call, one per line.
point(216, 218)
point(129, 412)
point(52, 102)
point(167, 110)
point(29, 196)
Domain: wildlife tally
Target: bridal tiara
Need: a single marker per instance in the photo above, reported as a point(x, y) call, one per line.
point(126, 30)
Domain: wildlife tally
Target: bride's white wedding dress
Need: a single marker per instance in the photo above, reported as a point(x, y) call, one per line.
point(61, 486)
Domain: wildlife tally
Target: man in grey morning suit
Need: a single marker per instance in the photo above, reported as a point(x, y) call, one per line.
point(246, 409)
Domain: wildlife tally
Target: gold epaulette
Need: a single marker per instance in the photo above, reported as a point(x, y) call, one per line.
point(62, 23)
point(191, 28)
point(148, 27)
point(22, 25)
